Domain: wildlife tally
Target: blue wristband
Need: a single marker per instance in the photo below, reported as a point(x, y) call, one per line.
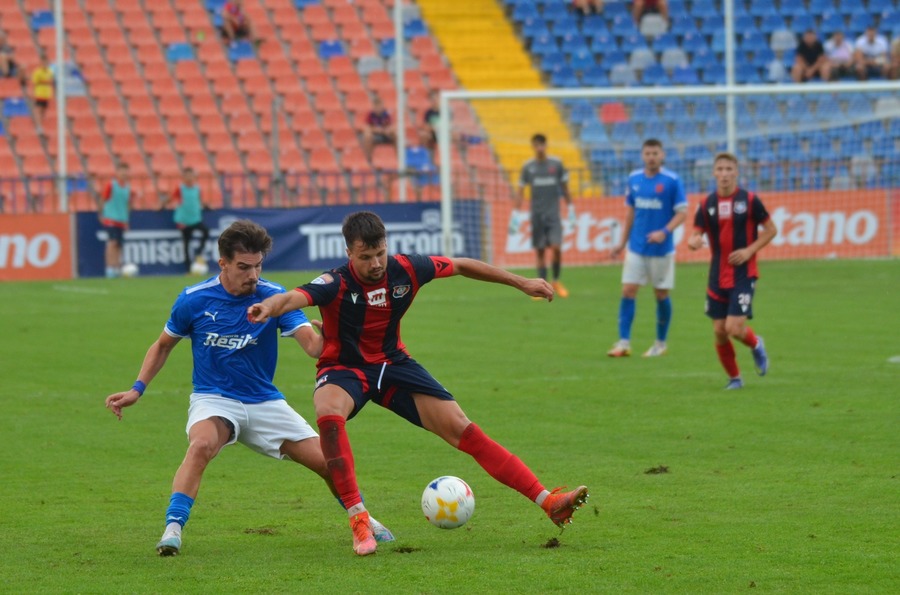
point(140, 387)
point(666, 231)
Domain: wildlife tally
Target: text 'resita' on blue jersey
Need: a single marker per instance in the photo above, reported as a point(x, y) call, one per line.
point(233, 357)
point(655, 200)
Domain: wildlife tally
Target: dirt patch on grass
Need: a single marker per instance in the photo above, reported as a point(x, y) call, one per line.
point(657, 470)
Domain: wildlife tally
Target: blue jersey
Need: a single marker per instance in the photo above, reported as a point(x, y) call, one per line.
point(655, 201)
point(233, 357)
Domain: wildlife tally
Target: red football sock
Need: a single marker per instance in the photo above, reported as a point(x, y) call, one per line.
point(500, 464)
point(749, 339)
point(728, 359)
point(339, 458)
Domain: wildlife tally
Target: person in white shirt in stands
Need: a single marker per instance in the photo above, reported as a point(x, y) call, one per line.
point(871, 58)
point(839, 52)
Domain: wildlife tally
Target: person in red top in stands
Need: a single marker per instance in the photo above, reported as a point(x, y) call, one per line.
point(379, 128)
point(641, 7)
point(730, 217)
point(235, 22)
point(364, 359)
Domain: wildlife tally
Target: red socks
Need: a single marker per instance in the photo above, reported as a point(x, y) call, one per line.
point(749, 338)
point(728, 359)
point(500, 464)
point(339, 458)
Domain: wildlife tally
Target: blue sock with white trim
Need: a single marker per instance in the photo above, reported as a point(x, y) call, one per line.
point(179, 508)
point(626, 316)
point(663, 318)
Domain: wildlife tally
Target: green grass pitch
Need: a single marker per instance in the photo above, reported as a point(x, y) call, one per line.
point(789, 486)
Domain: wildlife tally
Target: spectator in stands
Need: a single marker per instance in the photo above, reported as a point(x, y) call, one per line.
point(379, 129)
point(235, 22)
point(641, 7)
point(871, 56)
point(8, 67)
point(428, 130)
point(42, 90)
point(839, 52)
point(894, 65)
point(586, 7)
point(810, 60)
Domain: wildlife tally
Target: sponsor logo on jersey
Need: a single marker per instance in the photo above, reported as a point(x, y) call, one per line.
point(229, 341)
point(211, 315)
point(648, 203)
point(711, 211)
point(323, 279)
point(659, 188)
point(740, 208)
point(378, 297)
point(353, 297)
point(724, 210)
point(400, 291)
point(544, 181)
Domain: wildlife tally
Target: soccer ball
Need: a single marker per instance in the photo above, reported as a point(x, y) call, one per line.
point(448, 502)
point(129, 269)
point(199, 267)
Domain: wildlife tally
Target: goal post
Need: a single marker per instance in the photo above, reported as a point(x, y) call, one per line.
point(734, 132)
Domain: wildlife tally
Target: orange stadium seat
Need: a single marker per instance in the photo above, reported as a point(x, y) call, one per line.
point(187, 70)
point(219, 140)
point(172, 105)
point(203, 104)
point(154, 142)
point(229, 163)
point(357, 102)
point(260, 163)
point(176, 123)
point(164, 87)
point(312, 139)
point(251, 141)
point(322, 160)
point(360, 47)
point(211, 124)
point(280, 68)
point(141, 106)
point(353, 158)
point(349, 83)
point(323, 32)
point(10, 88)
point(233, 102)
point(195, 87)
point(241, 121)
point(186, 142)
point(333, 121)
point(36, 165)
point(77, 106)
point(146, 124)
point(125, 146)
point(29, 144)
point(92, 142)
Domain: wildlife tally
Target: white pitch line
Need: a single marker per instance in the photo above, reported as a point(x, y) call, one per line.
point(894, 360)
point(76, 289)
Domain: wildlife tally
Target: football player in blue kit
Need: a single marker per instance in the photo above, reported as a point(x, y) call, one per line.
point(656, 207)
point(233, 398)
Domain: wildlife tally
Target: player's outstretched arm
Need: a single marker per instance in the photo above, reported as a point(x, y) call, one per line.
point(482, 271)
point(310, 340)
point(276, 305)
point(153, 362)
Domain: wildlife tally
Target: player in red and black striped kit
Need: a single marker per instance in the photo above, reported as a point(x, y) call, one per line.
point(365, 360)
point(731, 217)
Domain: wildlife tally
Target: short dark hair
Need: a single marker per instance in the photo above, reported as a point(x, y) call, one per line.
point(244, 236)
point(363, 226)
point(189, 170)
point(539, 138)
point(652, 142)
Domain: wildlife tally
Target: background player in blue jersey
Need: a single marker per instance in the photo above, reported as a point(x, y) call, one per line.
point(233, 399)
point(731, 217)
point(188, 215)
point(364, 359)
point(549, 181)
point(656, 206)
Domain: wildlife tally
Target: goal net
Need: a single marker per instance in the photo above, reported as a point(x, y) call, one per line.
point(823, 158)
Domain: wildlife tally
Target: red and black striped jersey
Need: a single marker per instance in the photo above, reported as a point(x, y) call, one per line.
point(730, 223)
point(361, 323)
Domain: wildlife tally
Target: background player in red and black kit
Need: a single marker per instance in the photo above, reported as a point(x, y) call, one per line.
point(730, 217)
point(364, 360)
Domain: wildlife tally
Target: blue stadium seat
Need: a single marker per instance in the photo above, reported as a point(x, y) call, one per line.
point(565, 77)
point(574, 43)
point(643, 109)
point(704, 9)
point(331, 49)
point(215, 5)
point(880, 6)
point(623, 25)
point(711, 24)
point(821, 6)
point(802, 22)
point(386, 48)
point(883, 147)
point(604, 43)
point(179, 52)
point(694, 152)
point(747, 73)
point(890, 21)
point(595, 76)
point(533, 27)
point(831, 22)
point(624, 132)
point(634, 41)
point(581, 111)
point(664, 42)
point(658, 130)
point(418, 158)
point(631, 155)
point(772, 22)
point(594, 24)
point(762, 57)
point(241, 50)
point(752, 41)
point(677, 7)
point(758, 148)
point(858, 105)
point(828, 108)
point(704, 59)
point(713, 75)
point(682, 24)
point(565, 28)
point(582, 60)
point(854, 7)
point(685, 75)
point(793, 9)
point(714, 130)
point(594, 133)
point(744, 22)
point(540, 46)
point(415, 28)
point(16, 107)
point(42, 19)
point(553, 61)
point(603, 155)
point(870, 129)
point(686, 131)
point(655, 75)
point(612, 58)
point(613, 10)
point(851, 147)
point(859, 22)
point(525, 10)
point(300, 4)
point(718, 42)
point(761, 9)
point(693, 42)
point(675, 105)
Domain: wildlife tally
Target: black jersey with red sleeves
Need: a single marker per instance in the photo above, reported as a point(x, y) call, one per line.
point(361, 323)
point(730, 223)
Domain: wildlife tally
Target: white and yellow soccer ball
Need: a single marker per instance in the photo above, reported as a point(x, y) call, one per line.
point(129, 269)
point(448, 502)
point(199, 267)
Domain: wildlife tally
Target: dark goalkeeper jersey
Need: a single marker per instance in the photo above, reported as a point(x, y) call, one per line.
point(730, 223)
point(361, 323)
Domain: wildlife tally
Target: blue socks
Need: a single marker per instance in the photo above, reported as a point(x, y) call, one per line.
point(663, 318)
point(179, 508)
point(626, 317)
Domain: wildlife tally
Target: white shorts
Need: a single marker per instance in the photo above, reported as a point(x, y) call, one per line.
point(262, 427)
point(658, 271)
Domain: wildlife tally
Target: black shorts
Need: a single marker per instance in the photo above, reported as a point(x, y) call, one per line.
point(42, 102)
point(738, 301)
point(389, 385)
point(114, 234)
